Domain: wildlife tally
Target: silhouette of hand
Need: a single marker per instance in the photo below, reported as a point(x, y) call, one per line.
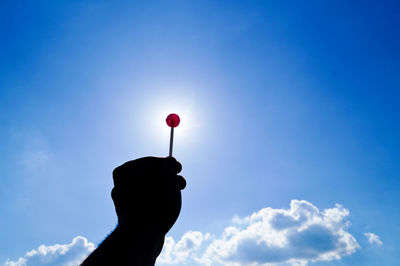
point(147, 194)
point(147, 199)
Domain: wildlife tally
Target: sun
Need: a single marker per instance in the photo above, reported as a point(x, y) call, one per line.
point(185, 113)
point(153, 120)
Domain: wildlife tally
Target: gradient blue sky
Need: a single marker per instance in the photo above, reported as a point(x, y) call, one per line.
point(279, 100)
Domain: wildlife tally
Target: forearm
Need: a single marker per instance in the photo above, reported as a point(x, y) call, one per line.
point(123, 247)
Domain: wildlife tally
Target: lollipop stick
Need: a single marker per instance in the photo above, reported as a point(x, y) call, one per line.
point(171, 141)
point(172, 121)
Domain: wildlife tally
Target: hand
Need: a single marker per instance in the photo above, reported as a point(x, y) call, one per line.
point(147, 195)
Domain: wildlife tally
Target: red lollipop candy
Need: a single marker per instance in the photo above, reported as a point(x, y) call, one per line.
point(173, 121)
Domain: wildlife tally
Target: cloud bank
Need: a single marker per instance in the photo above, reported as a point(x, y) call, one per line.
point(295, 236)
point(59, 254)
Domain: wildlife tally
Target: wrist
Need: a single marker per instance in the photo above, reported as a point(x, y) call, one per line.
point(142, 243)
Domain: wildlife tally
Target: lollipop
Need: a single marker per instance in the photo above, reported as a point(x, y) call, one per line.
point(173, 121)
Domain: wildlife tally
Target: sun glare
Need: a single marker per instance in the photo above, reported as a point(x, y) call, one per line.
point(157, 128)
point(185, 128)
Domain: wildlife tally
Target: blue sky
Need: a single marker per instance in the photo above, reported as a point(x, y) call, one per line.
point(286, 108)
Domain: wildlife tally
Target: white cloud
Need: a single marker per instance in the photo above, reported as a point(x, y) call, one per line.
point(295, 236)
point(373, 239)
point(59, 254)
point(36, 156)
point(36, 160)
point(184, 249)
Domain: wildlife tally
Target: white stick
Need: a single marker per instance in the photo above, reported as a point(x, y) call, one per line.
point(171, 141)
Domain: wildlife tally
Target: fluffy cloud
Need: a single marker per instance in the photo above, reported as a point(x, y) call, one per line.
point(183, 250)
point(64, 255)
point(373, 239)
point(295, 236)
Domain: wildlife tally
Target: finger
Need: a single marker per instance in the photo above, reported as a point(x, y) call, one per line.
point(172, 165)
point(149, 164)
point(146, 166)
point(181, 182)
point(138, 165)
point(136, 168)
